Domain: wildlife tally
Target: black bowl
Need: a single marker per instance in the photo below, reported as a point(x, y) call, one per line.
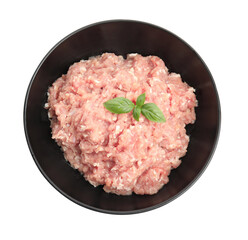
point(121, 37)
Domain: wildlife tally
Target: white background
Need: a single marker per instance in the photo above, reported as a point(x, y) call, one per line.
point(214, 208)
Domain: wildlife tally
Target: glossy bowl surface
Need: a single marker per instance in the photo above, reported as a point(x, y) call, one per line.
point(121, 37)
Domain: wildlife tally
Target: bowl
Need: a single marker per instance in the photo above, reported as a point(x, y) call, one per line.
point(121, 37)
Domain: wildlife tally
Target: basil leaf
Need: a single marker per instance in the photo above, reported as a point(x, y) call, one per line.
point(152, 112)
point(136, 113)
point(141, 100)
point(119, 105)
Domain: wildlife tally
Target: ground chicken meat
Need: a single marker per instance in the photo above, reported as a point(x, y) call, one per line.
point(115, 150)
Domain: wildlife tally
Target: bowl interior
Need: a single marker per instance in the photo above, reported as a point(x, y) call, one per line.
point(121, 38)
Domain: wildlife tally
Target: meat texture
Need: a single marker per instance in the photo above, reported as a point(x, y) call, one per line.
point(115, 150)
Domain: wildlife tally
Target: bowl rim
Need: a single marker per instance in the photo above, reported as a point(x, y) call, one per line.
point(141, 210)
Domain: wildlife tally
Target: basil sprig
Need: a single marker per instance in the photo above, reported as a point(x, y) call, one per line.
point(123, 105)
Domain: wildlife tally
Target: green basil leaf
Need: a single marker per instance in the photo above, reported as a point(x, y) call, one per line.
point(119, 105)
point(136, 113)
point(152, 112)
point(141, 100)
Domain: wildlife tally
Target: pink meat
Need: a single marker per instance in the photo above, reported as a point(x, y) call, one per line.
point(115, 150)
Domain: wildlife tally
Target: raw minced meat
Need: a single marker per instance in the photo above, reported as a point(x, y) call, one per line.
point(115, 150)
